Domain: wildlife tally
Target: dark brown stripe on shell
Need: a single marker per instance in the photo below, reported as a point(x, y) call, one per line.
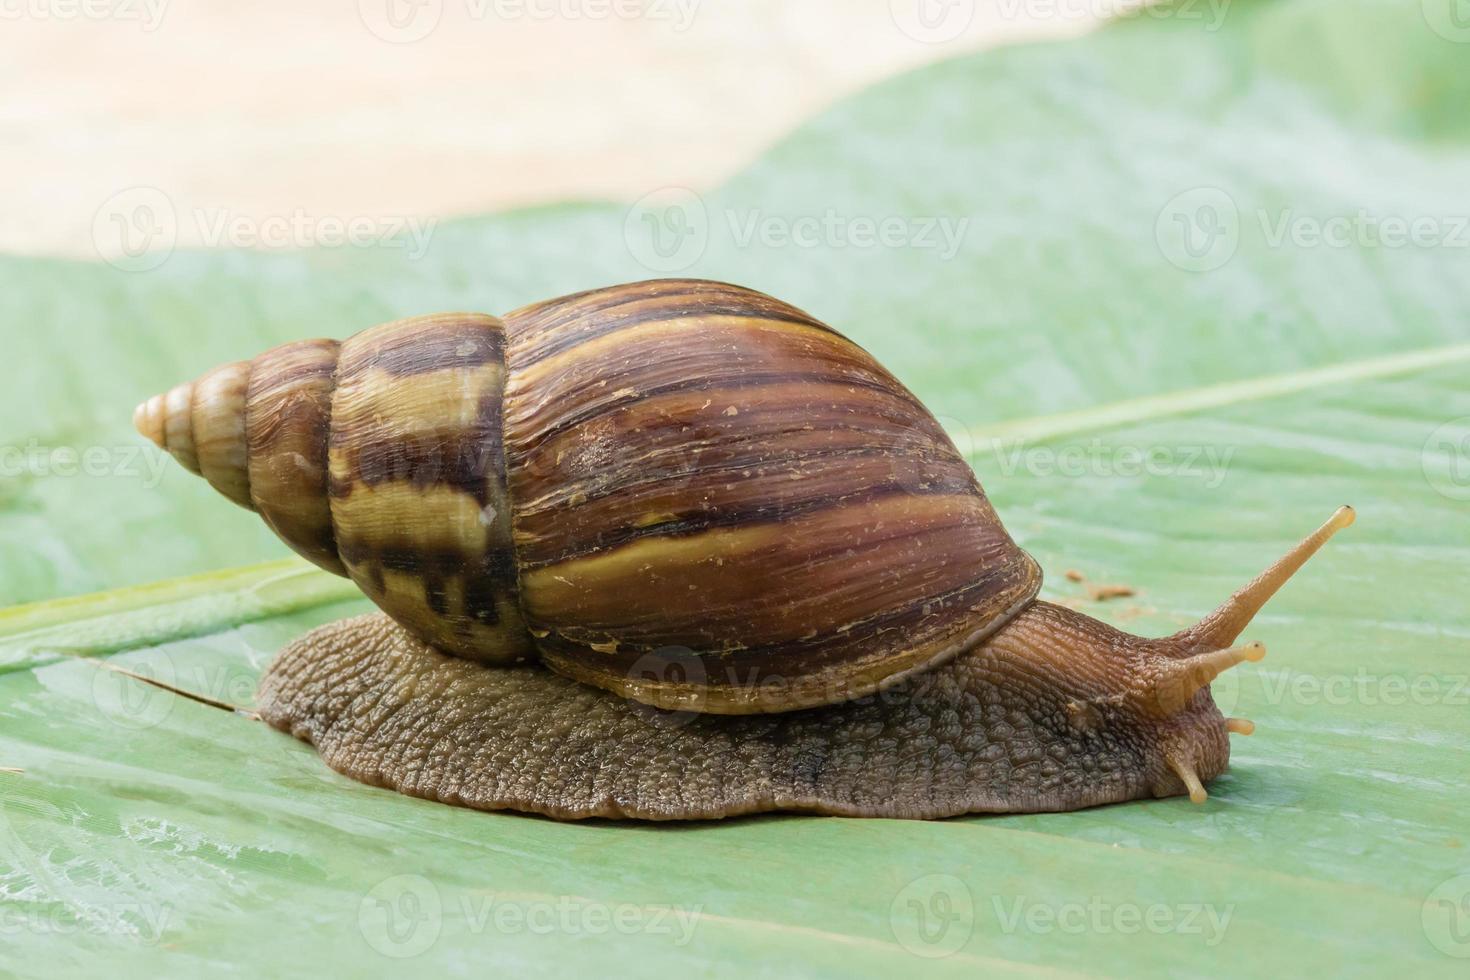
point(562, 325)
point(284, 369)
point(692, 311)
point(731, 354)
point(412, 558)
point(463, 459)
point(418, 482)
point(425, 344)
point(770, 510)
point(759, 584)
point(753, 664)
point(552, 314)
point(820, 669)
point(486, 578)
point(218, 420)
point(548, 317)
point(702, 385)
point(288, 417)
point(691, 429)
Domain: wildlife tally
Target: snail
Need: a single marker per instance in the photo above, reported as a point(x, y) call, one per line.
point(675, 550)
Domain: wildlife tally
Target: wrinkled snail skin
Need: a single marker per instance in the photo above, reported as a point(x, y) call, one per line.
point(1029, 722)
point(761, 575)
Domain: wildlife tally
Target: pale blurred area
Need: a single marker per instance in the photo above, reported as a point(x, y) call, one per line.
point(433, 107)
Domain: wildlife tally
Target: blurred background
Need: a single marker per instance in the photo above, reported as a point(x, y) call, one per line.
point(1024, 208)
point(431, 107)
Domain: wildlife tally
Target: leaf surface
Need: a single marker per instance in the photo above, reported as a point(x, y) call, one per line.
point(1135, 416)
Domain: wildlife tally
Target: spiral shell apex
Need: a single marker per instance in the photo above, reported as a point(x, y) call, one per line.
point(685, 492)
point(202, 425)
point(378, 459)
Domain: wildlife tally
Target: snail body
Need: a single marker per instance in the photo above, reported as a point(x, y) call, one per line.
point(689, 501)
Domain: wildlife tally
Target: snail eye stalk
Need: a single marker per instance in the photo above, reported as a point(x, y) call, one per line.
point(1182, 679)
point(1220, 628)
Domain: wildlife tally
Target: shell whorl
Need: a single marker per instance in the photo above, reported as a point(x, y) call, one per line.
point(257, 431)
point(202, 425)
point(378, 458)
point(724, 505)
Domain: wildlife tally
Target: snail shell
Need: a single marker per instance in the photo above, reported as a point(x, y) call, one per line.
point(685, 492)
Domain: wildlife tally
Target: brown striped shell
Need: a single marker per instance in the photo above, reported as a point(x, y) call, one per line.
point(685, 492)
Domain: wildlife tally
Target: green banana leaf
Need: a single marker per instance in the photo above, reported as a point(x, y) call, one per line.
point(1187, 284)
